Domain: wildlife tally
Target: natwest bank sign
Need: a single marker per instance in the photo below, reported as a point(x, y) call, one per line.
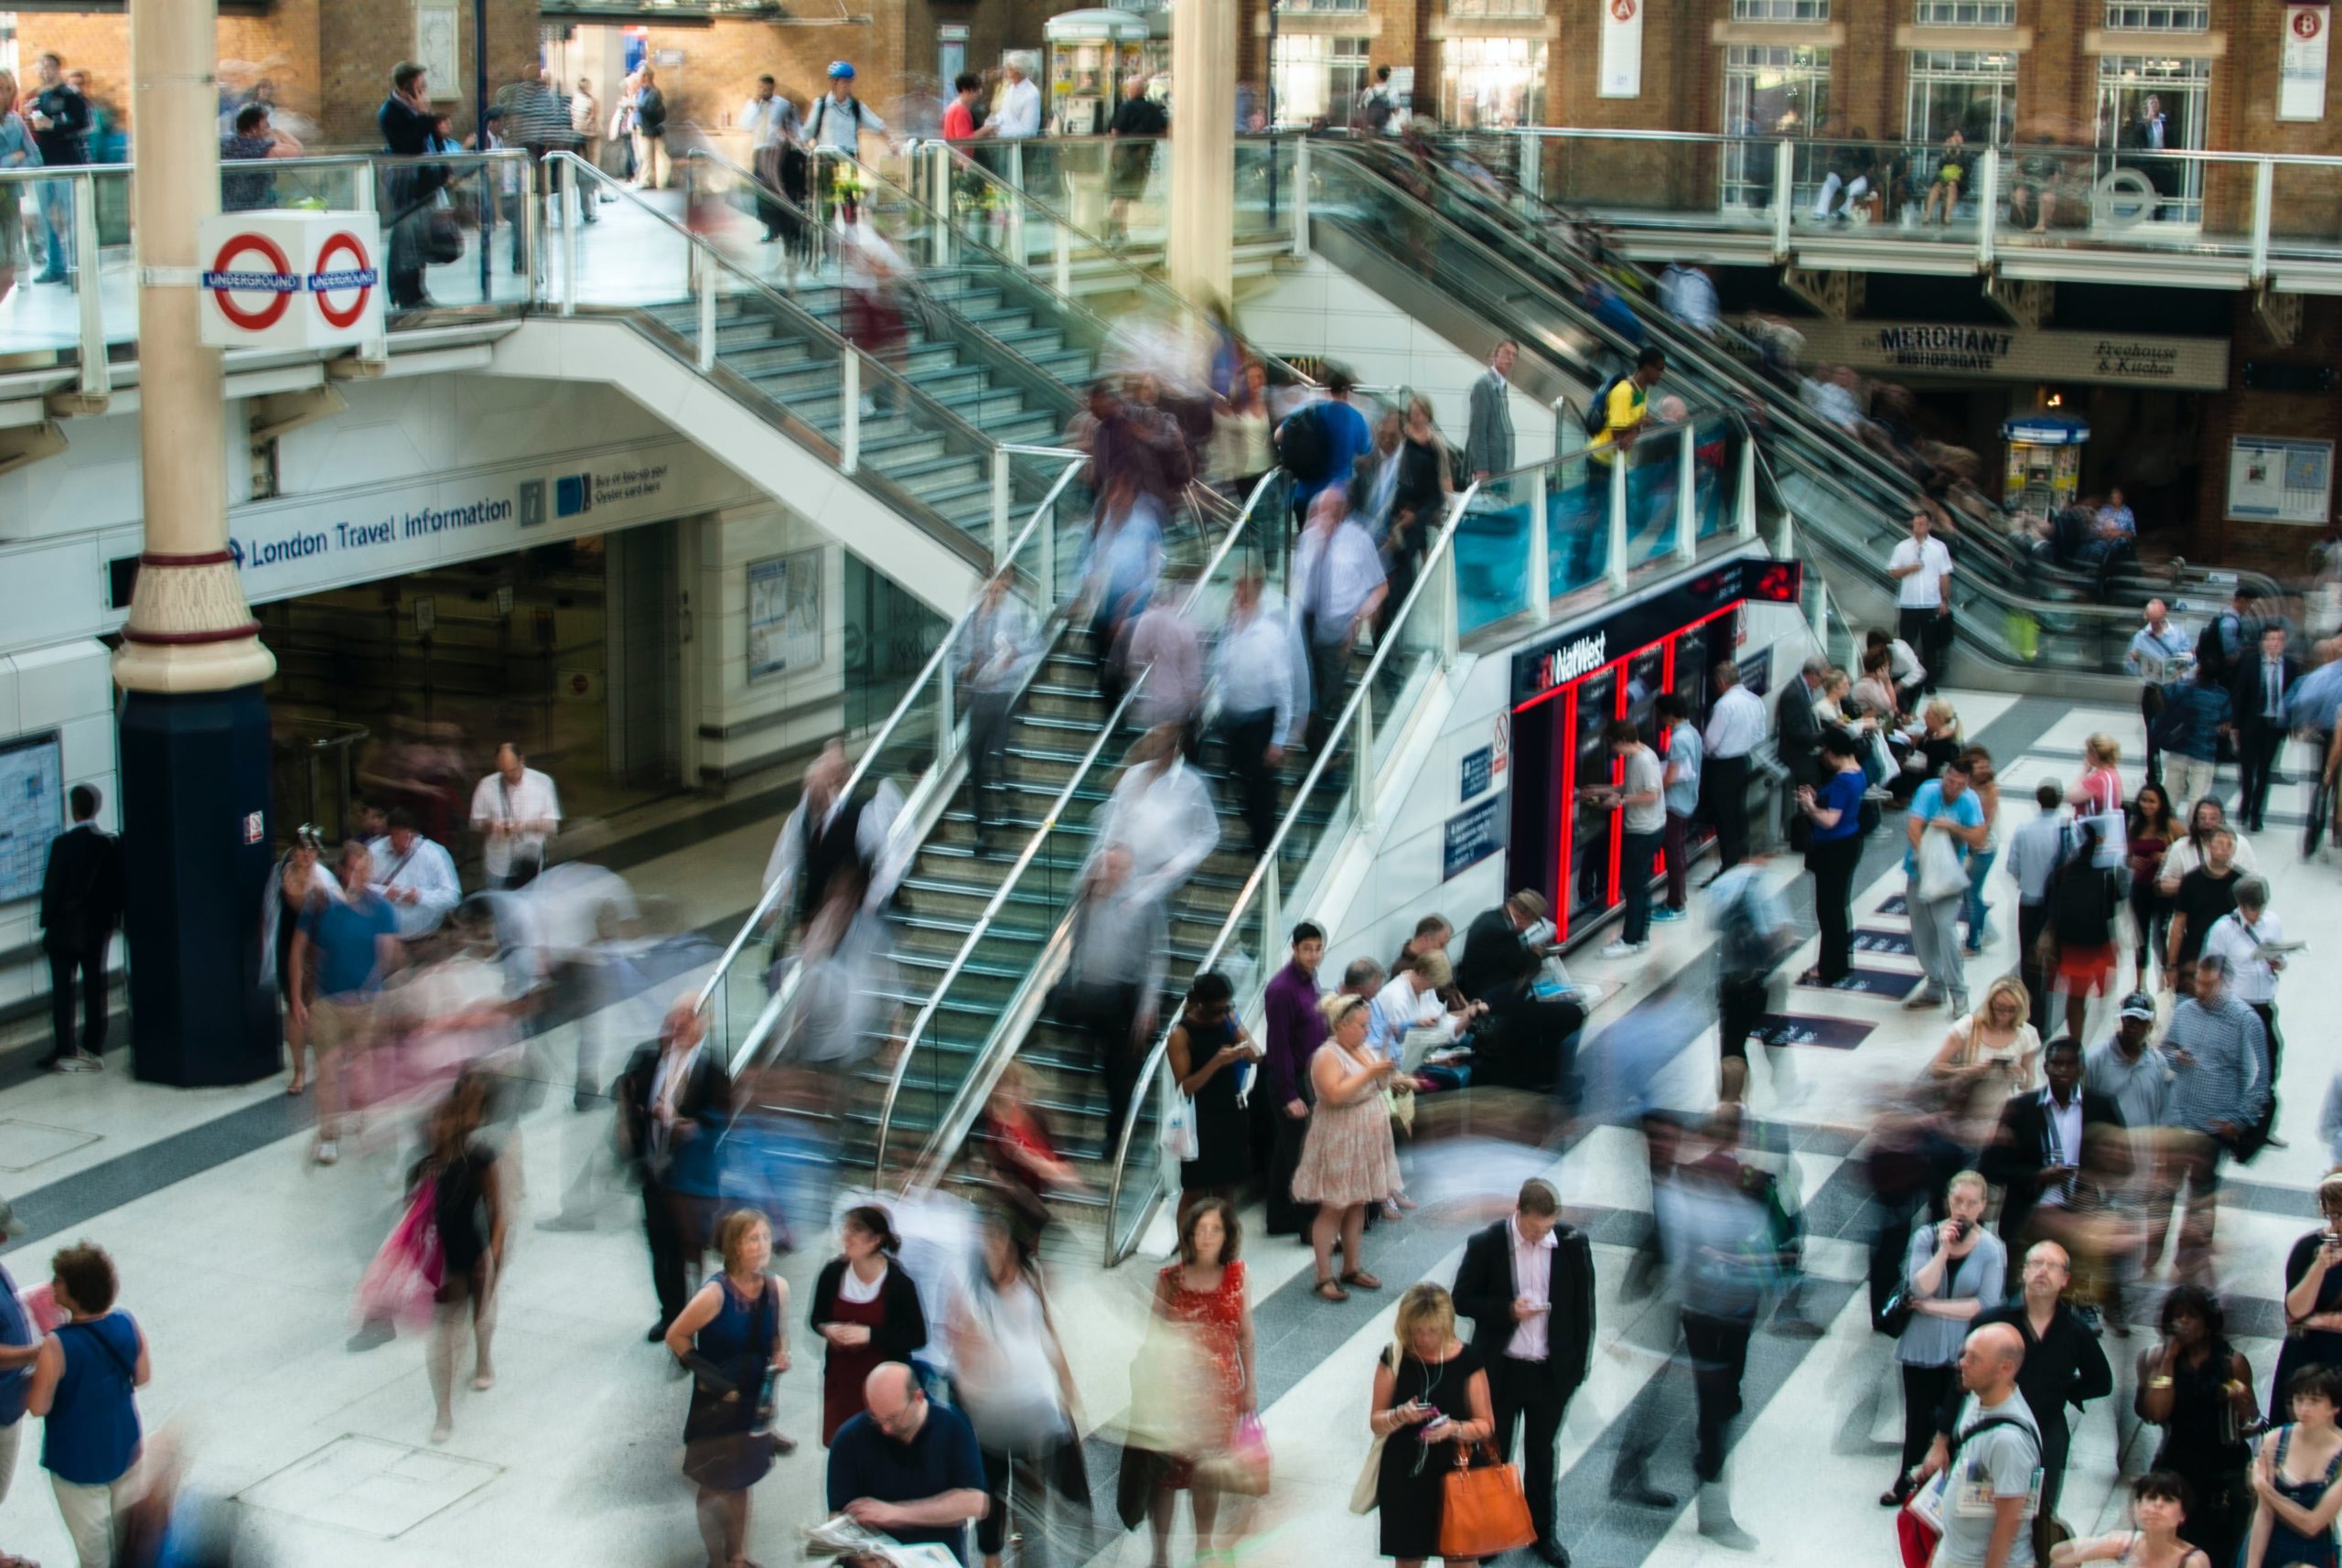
point(291, 279)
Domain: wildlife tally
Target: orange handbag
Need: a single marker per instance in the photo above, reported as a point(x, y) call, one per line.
point(1484, 1512)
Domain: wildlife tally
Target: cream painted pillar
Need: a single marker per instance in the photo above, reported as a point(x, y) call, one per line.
point(1203, 147)
point(189, 628)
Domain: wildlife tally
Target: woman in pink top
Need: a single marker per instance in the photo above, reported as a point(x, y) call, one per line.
point(2099, 791)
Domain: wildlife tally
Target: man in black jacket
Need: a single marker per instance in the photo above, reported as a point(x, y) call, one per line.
point(2064, 1364)
point(2257, 689)
point(1527, 1283)
point(2037, 1150)
point(80, 904)
point(404, 119)
point(1533, 1043)
point(673, 1100)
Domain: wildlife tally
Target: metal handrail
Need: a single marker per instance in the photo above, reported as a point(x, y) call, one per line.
point(877, 743)
point(1049, 820)
point(1425, 578)
point(1711, 138)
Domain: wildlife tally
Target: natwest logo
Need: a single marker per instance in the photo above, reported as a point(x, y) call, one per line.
point(1588, 654)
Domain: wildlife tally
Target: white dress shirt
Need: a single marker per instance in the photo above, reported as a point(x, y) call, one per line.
point(533, 799)
point(2064, 1131)
point(1532, 1280)
point(425, 870)
point(1352, 570)
point(1400, 1008)
point(1260, 663)
point(1922, 589)
point(1163, 814)
point(2250, 976)
point(1020, 112)
point(768, 121)
point(1736, 725)
point(999, 646)
point(873, 843)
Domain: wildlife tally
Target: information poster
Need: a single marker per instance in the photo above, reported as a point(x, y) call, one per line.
point(2301, 63)
point(784, 614)
point(2273, 479)
point(32, 811)
point(1621, 74)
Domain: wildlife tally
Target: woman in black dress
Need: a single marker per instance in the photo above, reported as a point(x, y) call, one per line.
point(2312, 1295)
point(730, 1336)
point(2199, 1390)
point(1208, 1049)
point(468, 1207)
point(1431, 1395)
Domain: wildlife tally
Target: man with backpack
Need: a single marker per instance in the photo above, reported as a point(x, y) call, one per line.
point(1320, 443)
point(1753, 932)
point(1994, 1455)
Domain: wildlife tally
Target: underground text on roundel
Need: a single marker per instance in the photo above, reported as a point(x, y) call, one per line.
point(250, 554)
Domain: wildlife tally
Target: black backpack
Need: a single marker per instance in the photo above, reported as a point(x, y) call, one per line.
point(1596, 417)
point(1301, 445)
point(2082, 904)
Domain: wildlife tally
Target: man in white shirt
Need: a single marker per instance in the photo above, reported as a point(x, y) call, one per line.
point(1019, 117)
point(1409, 1001)
point(828, 833)
point(998, 649)
point(417, 876)
point(2159, 653)
point(2245, 938)
point(1161, 810)
point(515, 811)
point(1262, 672)
point(1921, 568)
point(772, 123)
point(1337, 579)
point(1736, 724)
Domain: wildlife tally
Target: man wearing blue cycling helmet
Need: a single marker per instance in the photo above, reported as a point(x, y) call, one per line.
point(839, 118)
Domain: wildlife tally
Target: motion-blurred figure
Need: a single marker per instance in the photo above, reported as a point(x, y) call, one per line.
point(828, 832)
point(672, 1101)
point(470, 1208)
point(1261, 669)
point(997, 653)
point(1114, 975)
point(1011, 1380)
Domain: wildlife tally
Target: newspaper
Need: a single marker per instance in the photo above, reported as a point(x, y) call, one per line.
point(839, 1536)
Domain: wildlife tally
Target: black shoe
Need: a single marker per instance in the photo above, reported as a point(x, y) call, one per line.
point(658, 1332)
point(1550, 1550)
point(1639, 1491)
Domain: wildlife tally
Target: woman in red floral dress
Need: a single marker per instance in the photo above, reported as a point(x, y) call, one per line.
point(1205, 1290)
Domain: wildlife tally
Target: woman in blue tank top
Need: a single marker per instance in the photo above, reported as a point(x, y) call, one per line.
point(2298, 1477)
point(85, 1386)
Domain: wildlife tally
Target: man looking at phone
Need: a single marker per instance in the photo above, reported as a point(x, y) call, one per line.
point(2219, 1059)
point(1527, 1283)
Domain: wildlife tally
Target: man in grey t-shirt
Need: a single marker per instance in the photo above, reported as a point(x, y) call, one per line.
point(1685, 752)
point(1641, 800)
point(1989, 1506)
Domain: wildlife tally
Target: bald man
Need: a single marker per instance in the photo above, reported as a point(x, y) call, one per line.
point(1994, 1458)
point(2064, 1364)
point(906, 1467)
point(673, 1100)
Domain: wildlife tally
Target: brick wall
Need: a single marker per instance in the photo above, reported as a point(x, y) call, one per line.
point(2269, 547)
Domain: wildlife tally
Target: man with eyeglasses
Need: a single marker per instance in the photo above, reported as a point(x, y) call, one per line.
point(907, 1468)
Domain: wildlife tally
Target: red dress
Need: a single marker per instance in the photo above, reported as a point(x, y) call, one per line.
point(847, 1366)
point(1218, 1318)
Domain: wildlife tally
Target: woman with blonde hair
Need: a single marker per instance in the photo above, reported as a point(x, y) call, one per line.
point(1993, 1052)
point(732, 1336)
point(1430, 1406)
point(2099, 791)
point(17, 150)
point(1347, 1157)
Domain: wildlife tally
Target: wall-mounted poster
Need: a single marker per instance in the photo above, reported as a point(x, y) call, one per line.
point(2272, 479)
point(435, 48)
point(784, 614)
point(32, 811)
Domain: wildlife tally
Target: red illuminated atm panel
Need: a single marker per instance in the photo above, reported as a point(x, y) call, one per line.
point(1567, 687)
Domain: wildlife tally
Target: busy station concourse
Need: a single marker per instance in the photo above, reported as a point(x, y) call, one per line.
point(1251, 783)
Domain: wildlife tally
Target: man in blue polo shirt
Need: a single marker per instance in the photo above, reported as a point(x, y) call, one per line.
point(907, 1468)
point(1946, 805)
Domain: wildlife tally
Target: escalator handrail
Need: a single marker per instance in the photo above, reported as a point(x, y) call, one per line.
point(1168, 298)
point(767, 900)
point(812, 327)
point(1049, 823)
point(1426, 577)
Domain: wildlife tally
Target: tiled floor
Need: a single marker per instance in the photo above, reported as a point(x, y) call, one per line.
point(242, 1267)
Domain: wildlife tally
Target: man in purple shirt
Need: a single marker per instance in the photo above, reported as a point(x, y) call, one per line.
point(1295, 1029)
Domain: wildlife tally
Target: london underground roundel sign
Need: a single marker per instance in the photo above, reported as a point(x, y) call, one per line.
point(356, 278)
point(276, 283)
point(290, 278)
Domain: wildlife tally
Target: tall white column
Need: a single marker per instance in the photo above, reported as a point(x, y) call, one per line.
point(1203, 149)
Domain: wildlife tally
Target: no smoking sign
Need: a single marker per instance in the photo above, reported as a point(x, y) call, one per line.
point(291, 279)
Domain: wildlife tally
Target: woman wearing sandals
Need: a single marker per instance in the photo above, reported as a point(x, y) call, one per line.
point(1347, 1159)
point(732, 1336)
point(298, 880)
point(1203, 1291)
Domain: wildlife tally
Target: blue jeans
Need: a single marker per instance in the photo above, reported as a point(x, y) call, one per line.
point(56, 203)
point(1972, 908)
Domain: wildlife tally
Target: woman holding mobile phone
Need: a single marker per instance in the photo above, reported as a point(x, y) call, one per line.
point(2312, 1295)
point(1950, 1272)
point(1208, 1051)
point(1431, 1395)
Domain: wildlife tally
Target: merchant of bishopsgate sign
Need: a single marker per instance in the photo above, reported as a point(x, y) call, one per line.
point(1919, 347)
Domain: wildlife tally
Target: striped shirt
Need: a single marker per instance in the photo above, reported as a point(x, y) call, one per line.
point(2228, 1078)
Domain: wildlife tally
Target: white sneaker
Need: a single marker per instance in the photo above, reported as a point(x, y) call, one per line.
point(327, 1153)
point(1622, 949)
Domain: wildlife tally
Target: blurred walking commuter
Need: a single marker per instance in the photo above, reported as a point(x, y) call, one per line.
point(1203, 1292)
point(1113, 977)
point(353, 941)
point(672, 1101)
point(470, 1211)
point(1262, 674)
point(826, 834)
point(1337, 586)
point(997, 653)
point(1011, 1378)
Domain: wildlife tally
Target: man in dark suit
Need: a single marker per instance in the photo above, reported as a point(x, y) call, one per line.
point(2257, 689)
point(1530, 1040)
point(1527, 1283)
point(1797, 731)
point(2037, 1150)
point(673, 1100)
point(80, 904)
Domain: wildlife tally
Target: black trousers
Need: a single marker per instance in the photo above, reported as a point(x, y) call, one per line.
point(92, 968)
point(1740, 1007)
point(2032, 920)
point(1521, 1393)
point(2257, 747)
point(987, 741)
point(1930, 635)
point(675, 1223)
point(1248, 737)
point(1725, 779)
point(2150, 704)
point(1719, 1350)
point(1833, 863)
point(1923, 1393)
point(1106, 1017)
point(1537, 1041)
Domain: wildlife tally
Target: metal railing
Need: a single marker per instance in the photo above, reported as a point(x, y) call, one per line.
point(941, 1136)
point(1260, 895)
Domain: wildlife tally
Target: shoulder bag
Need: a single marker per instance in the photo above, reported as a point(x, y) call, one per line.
point(1942, 873)
point(1483, 1512)
point(1918, 1527)
point(1367, 1491)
